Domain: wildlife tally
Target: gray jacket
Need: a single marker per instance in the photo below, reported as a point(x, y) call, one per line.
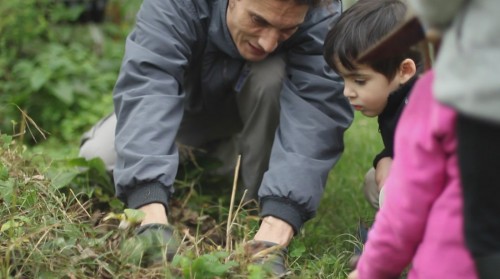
point(468, 62)
point(178, 44)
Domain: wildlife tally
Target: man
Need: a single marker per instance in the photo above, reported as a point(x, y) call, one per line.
point(214, 74)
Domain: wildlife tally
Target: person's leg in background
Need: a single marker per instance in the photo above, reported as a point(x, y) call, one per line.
point(479, 162)
point(370, 188)
point(375, 199)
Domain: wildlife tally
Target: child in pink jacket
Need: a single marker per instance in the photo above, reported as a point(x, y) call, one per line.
point(421, 219)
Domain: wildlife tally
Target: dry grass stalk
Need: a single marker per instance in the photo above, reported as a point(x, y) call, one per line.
point(231, 205)
point(25, 124)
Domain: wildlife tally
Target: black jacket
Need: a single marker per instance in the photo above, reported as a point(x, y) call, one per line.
point(389, 118)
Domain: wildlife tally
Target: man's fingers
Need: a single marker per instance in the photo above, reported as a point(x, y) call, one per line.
point(353, 275)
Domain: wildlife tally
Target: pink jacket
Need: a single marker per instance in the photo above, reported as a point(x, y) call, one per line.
point(420, 221)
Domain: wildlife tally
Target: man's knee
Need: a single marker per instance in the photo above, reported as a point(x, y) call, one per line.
point(98, 142)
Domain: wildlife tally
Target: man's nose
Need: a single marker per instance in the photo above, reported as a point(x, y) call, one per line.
point(268, 40)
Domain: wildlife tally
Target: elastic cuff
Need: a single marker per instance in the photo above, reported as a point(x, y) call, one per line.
point(283, 209)
point(152, 192)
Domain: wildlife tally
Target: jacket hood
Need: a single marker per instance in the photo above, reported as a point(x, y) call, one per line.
point(218, 33)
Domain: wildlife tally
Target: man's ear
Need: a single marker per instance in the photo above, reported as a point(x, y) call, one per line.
point(407, 69)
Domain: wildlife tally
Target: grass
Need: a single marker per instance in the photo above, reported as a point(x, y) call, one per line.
point(51, 220)
point(331, 236)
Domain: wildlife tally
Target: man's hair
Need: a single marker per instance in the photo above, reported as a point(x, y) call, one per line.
point(360, 27)
point(314, 3)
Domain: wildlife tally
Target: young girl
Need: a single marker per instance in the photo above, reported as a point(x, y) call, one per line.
point(421, 220)
point(467, 80)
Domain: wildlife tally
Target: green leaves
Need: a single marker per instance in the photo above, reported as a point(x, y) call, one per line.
point(7, 189)
point(128, 218)
point(54, 71)
point(133, 216)
point(62, 178)
point(15, 223)
point(64, 92)
point(297, 249)
point(210, 265)
point(39, 77)
point(9, 225)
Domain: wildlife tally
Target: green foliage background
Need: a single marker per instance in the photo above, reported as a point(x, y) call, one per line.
point(58, 72)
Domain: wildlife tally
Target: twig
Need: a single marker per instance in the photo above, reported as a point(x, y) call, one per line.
point(192, 239)
point(190, 193)
point(233, 194)
point(80, 204)
point(26, 120)
point(240, 206)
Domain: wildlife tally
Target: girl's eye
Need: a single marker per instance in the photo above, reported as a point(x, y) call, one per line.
point(360, 81)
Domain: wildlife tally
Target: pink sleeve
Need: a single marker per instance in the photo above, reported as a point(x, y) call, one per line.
point(416, 180)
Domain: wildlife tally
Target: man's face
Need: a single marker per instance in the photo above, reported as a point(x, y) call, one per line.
point(258, 26)
point(366, 89)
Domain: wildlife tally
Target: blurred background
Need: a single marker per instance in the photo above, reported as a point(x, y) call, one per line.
point(59, 60)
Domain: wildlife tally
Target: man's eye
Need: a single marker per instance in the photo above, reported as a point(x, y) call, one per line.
point(257, 20)
point(284, 35)
point(289, 31)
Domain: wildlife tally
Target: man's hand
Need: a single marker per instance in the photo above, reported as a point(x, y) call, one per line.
point(274, 230)
point(353, 275)
point(382, 171)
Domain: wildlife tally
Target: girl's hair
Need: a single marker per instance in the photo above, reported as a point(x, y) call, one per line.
point(360, 27)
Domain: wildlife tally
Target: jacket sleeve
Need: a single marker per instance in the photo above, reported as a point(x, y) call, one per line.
point(309, 139)
point(417, 178)
point(383, 154)
point(148, 99)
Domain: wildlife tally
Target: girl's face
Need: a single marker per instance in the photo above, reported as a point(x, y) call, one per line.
point(366, 89)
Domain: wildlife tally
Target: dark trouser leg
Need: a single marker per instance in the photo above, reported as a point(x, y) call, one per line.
point(244, 125)
point(213, 132)
point(479, 161)
point(258, 105)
